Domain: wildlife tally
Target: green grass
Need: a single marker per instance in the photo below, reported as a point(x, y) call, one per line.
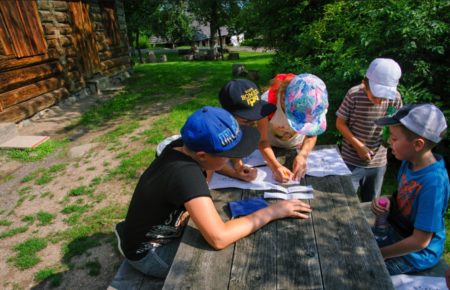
point(81, 190)
point(13, 232)
point(130, 168)
point(89, 231)
point(5, 223)
point(44, 218)
point(35, 154)
point(75, 208)
point(26, 256)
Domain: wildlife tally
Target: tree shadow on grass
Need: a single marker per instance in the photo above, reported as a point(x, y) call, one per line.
point(92, 262)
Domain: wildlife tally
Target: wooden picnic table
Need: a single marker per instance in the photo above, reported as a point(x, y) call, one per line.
point(334, 249)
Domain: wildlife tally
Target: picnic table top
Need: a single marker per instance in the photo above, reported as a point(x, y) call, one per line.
point(334, 249)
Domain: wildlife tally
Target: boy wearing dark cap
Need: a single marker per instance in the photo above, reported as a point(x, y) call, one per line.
point(174, 188)
point(417, 234)
point(241, 98)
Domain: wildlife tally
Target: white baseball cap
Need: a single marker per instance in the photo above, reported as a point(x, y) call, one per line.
point(383, 75)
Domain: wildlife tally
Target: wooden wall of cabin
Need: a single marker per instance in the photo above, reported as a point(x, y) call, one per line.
point(43, 56)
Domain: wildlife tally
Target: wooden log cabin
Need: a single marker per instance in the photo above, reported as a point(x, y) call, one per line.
point(51, 49)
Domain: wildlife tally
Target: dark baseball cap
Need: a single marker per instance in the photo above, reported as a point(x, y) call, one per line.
point(241, 97)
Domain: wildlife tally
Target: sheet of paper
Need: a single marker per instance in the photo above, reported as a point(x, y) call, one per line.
point(254, 159)
point(264, 180)
point(298, 195)
point(408, 282)
point(325, 162)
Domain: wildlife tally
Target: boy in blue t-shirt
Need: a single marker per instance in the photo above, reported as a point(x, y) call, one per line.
point(416, 239)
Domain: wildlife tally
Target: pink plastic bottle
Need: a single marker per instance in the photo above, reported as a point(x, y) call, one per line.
point(381, 226)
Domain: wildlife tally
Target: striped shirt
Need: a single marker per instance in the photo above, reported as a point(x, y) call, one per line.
point(360, 114)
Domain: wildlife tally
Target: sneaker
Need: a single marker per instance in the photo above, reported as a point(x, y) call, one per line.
point(118, 230)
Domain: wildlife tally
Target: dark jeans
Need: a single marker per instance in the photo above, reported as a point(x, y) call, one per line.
point(368, 180)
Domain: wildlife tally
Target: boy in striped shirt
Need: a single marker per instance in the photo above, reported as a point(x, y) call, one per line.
point(362, 150)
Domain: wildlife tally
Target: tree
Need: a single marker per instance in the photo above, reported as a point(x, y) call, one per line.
point(171, 22)
point(216, 13)
point(138, 15)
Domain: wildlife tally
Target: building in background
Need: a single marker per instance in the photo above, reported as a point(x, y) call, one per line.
point(51, 49)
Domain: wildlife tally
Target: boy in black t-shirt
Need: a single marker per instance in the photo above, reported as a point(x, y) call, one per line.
point(174, 187)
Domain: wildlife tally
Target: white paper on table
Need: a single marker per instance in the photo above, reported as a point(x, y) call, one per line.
point(325, 162)
point(264, 180)
point(254, 159)
point(296, 195)
point(407, 282)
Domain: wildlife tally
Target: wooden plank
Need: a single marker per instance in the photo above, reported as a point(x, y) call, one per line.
point(16, 78)
point(14, 63)
point(255, 258)
point(5, 43)
point(23, 26)
point(84, 39)
point(297, 258)
point(110, 23)
point(348, 253)
point(24, 93)
point(197, 265)
point(29, 108)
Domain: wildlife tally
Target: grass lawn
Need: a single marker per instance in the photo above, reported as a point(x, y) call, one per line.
point(83, 210)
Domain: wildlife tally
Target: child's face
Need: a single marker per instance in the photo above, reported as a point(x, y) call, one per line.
point(402, 148)
point(214, 162)
point(242, 121)
point(374, 99)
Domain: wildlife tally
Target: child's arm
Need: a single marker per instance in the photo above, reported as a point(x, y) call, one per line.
point(221, 234)
point(419, 240)
point(280, 173)
point(299, 165)
point(363, 152)
point(239, 171)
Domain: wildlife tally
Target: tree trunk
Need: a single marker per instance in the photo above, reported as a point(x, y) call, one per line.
point(138, 48)
point(220, 43)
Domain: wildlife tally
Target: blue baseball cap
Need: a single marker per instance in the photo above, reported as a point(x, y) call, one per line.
point(215, 131)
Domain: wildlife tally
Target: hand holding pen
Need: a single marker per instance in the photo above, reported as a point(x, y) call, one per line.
point(282, 174)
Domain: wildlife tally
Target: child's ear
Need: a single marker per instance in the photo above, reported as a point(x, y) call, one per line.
point(419, 144)
point(201, 155)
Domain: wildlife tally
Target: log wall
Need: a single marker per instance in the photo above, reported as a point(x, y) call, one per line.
point(36, 76)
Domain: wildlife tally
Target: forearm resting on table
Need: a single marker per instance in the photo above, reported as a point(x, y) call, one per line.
point(221, 234)
point(419, 240)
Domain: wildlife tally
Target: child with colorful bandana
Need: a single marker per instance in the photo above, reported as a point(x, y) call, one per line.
point(415, 240)
point(362, 149)
point(302, 104)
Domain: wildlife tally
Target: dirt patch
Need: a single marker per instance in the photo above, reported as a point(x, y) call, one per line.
point(81, 182)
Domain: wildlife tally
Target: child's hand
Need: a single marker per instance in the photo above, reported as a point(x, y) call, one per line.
point(299, 167)
point(246, 173)
point(377, 209)
point(364, 153)
point(282, 174)
point(291, 208)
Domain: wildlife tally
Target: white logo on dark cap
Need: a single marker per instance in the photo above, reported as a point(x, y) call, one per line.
point(227, 136)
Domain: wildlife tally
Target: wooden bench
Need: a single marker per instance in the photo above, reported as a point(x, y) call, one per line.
point(436, 271)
